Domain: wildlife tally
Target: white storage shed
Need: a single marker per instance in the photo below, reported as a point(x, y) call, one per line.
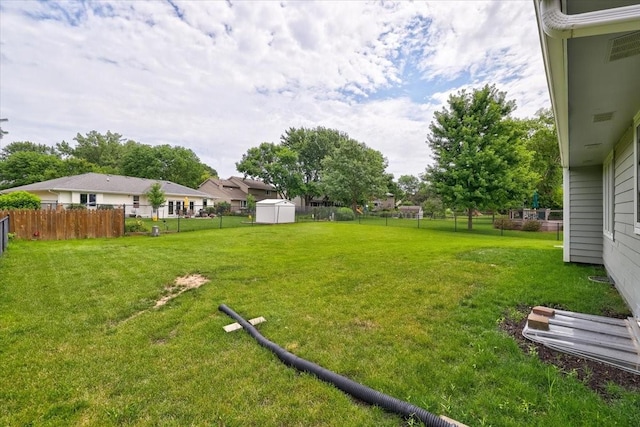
point(275, 211)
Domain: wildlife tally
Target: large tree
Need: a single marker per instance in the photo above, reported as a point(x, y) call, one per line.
point(104, 151)
point(354, 174)
point(24, 162)
point(177, 164)
point(542, 141)
point(480, 158)
point(409, 186)
point(312, 146)
point(276, 165)
point(19, 146)
point(27, 167)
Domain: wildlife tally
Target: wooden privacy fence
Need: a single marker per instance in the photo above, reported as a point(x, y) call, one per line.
point(63, 224)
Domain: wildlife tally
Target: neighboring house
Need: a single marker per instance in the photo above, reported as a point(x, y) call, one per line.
point(414, 212)
point(235, 190)
point(591, 52)
point(388, 203)
point(315, 202)
point(94, 190)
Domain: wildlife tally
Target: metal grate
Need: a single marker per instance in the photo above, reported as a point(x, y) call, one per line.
point(602, 117)
point(625, 46)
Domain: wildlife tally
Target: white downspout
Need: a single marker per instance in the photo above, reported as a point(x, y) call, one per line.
point(559, 25)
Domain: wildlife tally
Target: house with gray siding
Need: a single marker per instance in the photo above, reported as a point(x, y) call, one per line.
point(591, 52)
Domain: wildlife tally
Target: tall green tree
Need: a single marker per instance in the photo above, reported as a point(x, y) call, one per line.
point(19, 146)
point(27, 167)
point(275, 165)
point(312, 146)
point(409, 186)
point(177, 164)
point(481, 161)
point(542, 140)
point(354, 174)
point(102, 150)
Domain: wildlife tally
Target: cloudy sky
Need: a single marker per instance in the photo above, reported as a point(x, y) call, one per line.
point(220, 77)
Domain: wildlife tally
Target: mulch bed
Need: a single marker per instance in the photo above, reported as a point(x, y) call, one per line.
point(594, 374)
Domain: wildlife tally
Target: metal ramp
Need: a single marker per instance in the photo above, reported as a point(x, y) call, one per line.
point(612, 341)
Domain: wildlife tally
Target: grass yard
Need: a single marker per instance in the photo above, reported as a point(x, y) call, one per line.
point(411, 312)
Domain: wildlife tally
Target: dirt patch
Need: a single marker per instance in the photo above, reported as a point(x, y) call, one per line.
point(594, 374)
point(181, 285)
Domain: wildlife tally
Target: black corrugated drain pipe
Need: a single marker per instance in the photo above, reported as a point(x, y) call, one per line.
point(357, 390)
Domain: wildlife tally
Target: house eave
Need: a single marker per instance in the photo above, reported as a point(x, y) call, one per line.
point(555, 28)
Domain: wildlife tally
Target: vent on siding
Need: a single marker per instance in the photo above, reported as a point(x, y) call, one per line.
point(625, 46)
point(602, 117)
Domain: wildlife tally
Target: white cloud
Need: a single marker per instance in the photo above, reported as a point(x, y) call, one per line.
point(220, 79)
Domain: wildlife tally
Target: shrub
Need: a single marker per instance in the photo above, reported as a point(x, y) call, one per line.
point(105, 207)
point(19, 200)
point(222, 208)
point(76, 206)
point(135, 227)
point(531, 225)
point(504, 224)
point(345, 214)
point(209, 210)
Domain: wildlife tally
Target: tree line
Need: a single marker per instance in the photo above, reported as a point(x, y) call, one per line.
point(483, 159)
point(25, 162)
point(318, 163)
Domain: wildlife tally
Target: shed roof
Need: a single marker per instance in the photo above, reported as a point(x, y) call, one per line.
point(267, 202)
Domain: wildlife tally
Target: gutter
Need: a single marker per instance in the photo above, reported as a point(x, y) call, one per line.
point(559, 25)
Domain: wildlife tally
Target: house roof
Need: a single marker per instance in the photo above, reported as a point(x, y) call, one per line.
point(592, 73)
point(114, 184)
point(223, 189)
point(252, 183)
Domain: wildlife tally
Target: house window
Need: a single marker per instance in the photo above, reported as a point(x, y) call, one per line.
point(178, 208)
point(637, 172)
point(88, 199)
point(268, 192)
point(192, 205)
point(204, 203)
point(608, 195)
point(136, 201)
point(243, 203)
point(170, 207)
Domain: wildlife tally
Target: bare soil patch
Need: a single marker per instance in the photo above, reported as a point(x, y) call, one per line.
point(594, 374)
point(181, 285)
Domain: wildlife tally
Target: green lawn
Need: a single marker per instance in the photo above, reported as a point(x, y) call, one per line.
point(411, 312)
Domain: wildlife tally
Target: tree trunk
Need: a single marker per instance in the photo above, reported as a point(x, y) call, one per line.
point(470, 219)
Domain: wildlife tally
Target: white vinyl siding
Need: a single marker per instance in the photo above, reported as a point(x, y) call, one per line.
point(608, 175)
point(585, 225)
